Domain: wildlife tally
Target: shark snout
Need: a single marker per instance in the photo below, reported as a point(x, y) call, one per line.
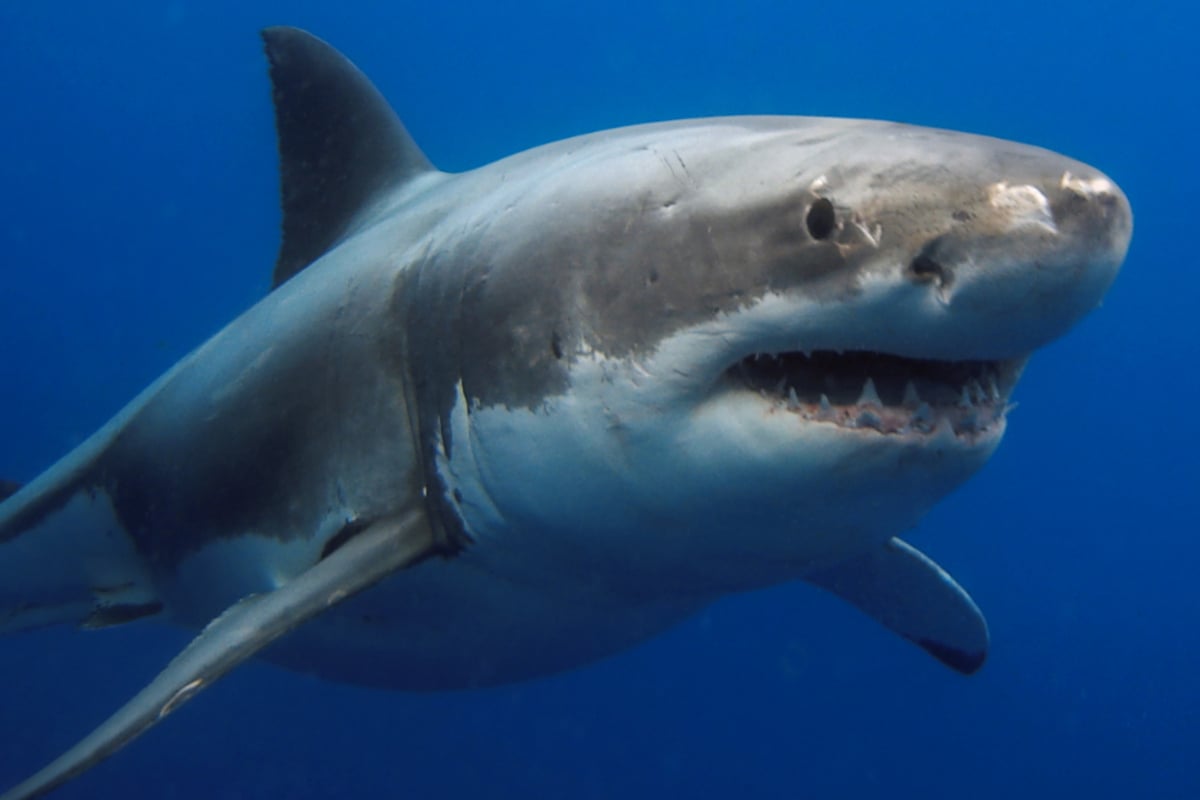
point(1028, 259)
point(1092, 213)
point(1091, 223)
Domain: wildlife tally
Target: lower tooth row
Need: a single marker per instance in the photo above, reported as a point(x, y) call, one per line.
point(922, 419)
point(971, 395)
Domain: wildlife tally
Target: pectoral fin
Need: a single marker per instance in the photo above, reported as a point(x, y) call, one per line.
point(909, 594)
point(243, 630)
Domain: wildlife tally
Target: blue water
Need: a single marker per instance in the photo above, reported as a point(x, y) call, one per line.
point(138, 188)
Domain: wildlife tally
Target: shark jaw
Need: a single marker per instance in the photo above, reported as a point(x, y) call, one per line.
point(881, 393)
point(795, 366)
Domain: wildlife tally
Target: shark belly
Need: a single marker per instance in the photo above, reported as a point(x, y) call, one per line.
point(458, 624)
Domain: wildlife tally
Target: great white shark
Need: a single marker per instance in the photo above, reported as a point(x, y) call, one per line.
point(491, 425)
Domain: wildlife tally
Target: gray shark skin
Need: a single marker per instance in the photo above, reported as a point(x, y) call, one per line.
point(496, 424)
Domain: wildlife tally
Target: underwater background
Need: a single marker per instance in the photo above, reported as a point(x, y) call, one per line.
point(138, 186)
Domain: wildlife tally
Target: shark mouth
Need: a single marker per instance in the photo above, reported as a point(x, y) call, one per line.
point(884, 393)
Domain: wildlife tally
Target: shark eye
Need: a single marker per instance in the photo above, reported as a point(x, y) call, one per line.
point(820, 220)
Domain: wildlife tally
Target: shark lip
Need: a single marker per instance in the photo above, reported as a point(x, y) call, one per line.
point(881, 392)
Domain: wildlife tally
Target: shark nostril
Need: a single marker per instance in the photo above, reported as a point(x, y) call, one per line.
point(925, 268)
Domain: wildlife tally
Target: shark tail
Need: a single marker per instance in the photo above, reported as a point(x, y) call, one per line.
point(64, 559)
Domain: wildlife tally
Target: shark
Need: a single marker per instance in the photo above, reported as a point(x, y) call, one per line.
point(492, 425)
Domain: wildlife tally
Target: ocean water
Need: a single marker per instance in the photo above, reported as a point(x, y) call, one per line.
point(138, 187)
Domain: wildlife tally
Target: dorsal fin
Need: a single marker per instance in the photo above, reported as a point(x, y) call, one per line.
point(340, 145)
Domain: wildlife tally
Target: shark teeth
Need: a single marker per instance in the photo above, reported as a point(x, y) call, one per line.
point(879, 393)
point(973, 414)
point(869, 419)
point(824, 409)
point(870, 395)
point(922, 418)
point(977, 392)
point(964, 397)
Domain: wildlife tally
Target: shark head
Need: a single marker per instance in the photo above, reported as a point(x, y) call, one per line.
point(765, 342)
